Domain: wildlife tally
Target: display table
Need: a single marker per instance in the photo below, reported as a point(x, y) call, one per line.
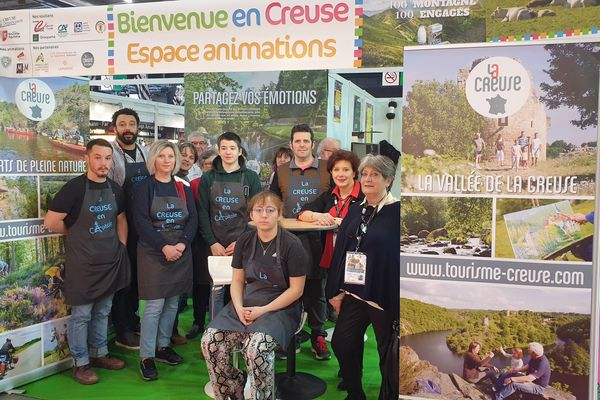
point(293, 225)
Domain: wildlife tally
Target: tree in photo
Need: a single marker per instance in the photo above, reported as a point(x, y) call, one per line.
point(573, 71)
point(438, 117)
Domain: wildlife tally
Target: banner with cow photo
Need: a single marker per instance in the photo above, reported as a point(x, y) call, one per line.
point(498, 198)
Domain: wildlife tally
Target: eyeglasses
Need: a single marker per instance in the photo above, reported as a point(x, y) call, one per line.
point(267, 210)
point(199, 143)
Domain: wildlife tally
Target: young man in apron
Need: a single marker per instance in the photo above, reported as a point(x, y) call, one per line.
point(129, 167)
point(298, 182)
point(89, 210)
point(223, 196)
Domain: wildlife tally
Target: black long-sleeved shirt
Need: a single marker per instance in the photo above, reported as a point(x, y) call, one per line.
point(143, 194)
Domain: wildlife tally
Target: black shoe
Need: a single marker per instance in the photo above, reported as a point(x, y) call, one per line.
point(342, 385)
point(194, 332)
point(128, 341)
point(168, 356)
point(282, 355)
point(148, 369)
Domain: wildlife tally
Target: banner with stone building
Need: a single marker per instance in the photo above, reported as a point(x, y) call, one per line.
point(498, 199)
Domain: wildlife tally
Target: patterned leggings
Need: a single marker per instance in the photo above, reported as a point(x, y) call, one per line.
point(258, 350)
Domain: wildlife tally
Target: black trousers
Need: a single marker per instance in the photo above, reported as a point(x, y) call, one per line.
point(126, 301)
point(200, 296)
point(315, 305)
point(348, 345)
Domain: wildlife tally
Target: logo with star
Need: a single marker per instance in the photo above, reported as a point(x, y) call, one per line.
point(35, 99)
point(498, 87)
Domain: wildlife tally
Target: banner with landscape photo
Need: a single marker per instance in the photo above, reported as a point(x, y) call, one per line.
point(499, 162)
point(261, 107)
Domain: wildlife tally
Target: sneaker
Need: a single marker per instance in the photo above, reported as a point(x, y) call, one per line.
point(168, 356)
point(148, 369)
point(107, 362)
point(177, 339)
point(282, 355)
point(85, 375)
point(194, 332)
point(319, 348)
point(128, 341)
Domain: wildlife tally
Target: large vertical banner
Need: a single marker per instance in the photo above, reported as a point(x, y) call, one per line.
point(43, 128)
point(497, 212)
point(261, 107)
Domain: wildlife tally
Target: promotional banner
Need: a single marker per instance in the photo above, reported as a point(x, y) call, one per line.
point(540, 19)
point(261, 107)
point(193, 36)
point(43, 127)
point(389, 26)
point(499, 163)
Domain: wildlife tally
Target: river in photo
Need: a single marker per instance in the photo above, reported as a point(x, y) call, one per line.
point(431, 346)
point(422, 246)
point(36, 147)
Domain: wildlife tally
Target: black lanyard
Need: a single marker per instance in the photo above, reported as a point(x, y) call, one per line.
point(362, 228)
point(338, 211)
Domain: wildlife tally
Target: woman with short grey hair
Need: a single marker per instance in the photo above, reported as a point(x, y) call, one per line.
point(363, 284)
point(166, 221)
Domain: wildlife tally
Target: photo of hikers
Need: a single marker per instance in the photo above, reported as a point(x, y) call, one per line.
point(544, 229)
point(32, 280)
point(446, 225)
point(20, 352)
point(56, 346)
point(547, 147)
point(533, 18)
point(477, 341)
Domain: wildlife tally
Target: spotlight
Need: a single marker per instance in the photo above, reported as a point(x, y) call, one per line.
point(391, 114)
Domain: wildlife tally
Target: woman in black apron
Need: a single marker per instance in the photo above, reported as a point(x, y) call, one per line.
point(268, 279)
point(166, 220)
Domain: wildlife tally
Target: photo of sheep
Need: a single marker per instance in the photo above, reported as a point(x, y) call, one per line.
point(540, 18)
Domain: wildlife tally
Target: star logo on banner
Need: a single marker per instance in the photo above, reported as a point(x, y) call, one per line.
point(36, 112)
point(497, 104)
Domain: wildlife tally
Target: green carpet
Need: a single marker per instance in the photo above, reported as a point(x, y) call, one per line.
point(187, 381)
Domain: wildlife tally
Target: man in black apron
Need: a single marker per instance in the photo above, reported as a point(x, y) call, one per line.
point(90, 211)
point(298, 182)
point(223, 195)
point(129, 167)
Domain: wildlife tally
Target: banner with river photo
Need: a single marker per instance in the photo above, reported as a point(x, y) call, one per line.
point(498, 199)
point(44, 124)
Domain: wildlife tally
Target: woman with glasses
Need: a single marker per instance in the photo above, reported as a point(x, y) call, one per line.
point(364, 279)
point(166, 220)
point(268, 279)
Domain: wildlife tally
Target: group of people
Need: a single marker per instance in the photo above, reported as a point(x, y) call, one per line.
point(141, 223)
point(524, 151)
point(530, 378)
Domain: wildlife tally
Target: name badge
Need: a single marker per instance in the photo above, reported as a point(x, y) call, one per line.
point(355, 270)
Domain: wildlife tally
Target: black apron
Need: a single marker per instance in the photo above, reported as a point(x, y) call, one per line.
point(134, 172)
point(96, 262)
point(264, 283)
point(228, 210)
point(157, 277)
point(302, 190)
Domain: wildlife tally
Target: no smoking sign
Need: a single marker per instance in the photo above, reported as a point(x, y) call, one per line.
point(390, 78)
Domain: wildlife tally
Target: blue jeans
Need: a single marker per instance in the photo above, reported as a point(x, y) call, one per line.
point(523, 387)
point(87, 328)
point(157, 325)
point(216, 301)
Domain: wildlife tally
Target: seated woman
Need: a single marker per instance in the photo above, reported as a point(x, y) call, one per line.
point(475, 368)
point(268, 279)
